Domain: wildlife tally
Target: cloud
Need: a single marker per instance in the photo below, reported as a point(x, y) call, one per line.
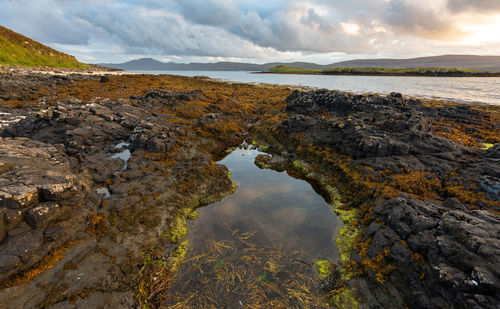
point(209, 12)
point(43, 20)
point(242, 29)
point(424, 18)
point(486, 7)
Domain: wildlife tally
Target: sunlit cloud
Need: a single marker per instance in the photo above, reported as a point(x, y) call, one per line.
point(322, 31)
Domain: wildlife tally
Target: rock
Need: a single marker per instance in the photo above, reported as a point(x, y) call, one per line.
point(8, 262)
point(493, 152)
point(12, 218)
point(42, 214)
point(381, 239)
point(439, 247)
point(104, 79)
point(3, 228)
point(39, 190)
point(16, 197)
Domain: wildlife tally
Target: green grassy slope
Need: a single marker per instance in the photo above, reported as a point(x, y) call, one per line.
point(16, 49)
point(381, 70)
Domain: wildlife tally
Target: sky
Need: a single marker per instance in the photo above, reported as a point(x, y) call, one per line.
point(321, 31)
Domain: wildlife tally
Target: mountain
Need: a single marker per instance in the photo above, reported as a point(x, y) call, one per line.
point(152, 64)
point(486, 63)
point(470, 62)
point(16, 49)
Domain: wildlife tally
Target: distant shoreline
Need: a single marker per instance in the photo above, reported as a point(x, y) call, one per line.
point(414, 74)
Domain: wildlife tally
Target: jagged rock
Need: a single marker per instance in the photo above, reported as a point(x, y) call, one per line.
point(37, 191)
point(444, 254)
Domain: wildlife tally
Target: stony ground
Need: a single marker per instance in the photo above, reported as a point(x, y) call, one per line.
point(99, 174)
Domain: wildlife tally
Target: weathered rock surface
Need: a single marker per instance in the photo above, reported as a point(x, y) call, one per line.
point(39, 196)
point(445, 254)
point(113, 174)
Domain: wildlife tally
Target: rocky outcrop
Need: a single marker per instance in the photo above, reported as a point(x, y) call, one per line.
point(460, 249)
point(443, 253)
point(39, 197)
point(364, 126)
point(112, 176)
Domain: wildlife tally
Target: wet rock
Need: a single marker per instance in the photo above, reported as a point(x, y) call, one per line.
point(436, 242)
point(493, 152)
point(39, 190)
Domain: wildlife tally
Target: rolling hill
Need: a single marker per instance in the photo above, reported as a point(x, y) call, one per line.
point(152, 64)
point(16, 49)
point(468, 62)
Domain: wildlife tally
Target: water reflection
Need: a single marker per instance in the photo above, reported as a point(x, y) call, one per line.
point(257, 247)
point(279, 208)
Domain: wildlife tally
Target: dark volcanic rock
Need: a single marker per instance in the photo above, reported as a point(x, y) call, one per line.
point(105, 173)
point(364, 126)
point(36, 193)
point(444, 254)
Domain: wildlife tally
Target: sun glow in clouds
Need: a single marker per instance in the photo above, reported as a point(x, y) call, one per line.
point(350, 28)
point(486, 32)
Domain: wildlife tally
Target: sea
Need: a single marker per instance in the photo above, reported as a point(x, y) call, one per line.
point(484, 90)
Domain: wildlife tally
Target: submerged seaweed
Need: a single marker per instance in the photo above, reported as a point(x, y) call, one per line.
point(238, 273)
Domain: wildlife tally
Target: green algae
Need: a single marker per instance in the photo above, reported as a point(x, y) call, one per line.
point(342, 297)
point(178, 255)
point(262, 165)
point(264, 277)
point(178, 230)
point(325, 269)
point(193, 215)
point(261, 147)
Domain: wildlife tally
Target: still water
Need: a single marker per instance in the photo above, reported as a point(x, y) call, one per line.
point(460, 89)
point(259, 245)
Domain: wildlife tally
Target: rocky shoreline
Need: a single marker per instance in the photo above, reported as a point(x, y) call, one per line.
point(367, 72)
point(429, 206)
point(100, 173)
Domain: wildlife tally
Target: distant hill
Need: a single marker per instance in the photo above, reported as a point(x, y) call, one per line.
point(152, 64)
point(16, 49)
point(469, 62)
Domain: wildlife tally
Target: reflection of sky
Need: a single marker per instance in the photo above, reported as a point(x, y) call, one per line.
point(280, 208)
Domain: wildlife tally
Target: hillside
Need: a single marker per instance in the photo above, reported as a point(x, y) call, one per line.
point(16, 49)
point(387, 71)
point(468, 62)
point(152, 64)
point(464, 62)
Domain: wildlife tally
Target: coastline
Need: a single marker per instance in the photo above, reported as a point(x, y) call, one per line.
point(413, 74)
point(165, 119)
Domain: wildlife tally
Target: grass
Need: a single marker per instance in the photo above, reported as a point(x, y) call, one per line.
point(286, 69)
point(380, 70)
point(16, 49)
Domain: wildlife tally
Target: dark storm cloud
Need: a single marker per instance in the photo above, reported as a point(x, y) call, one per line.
point(238, 28)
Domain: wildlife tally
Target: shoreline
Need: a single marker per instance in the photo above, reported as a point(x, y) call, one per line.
point(388, 74)
point(428, 169)
point(86, 72)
